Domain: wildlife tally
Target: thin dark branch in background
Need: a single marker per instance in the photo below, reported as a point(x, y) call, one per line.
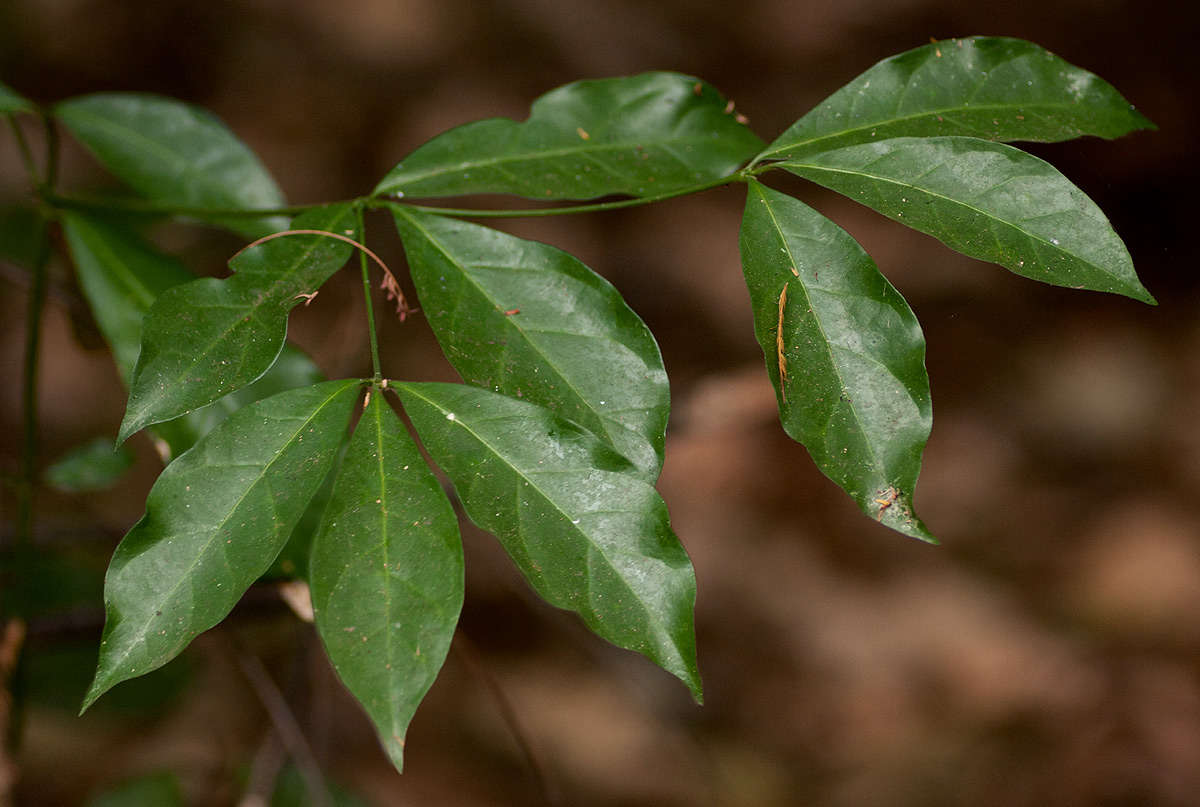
point(288, 729)
point(12, 638)
point(465, 650)
point(264, 771)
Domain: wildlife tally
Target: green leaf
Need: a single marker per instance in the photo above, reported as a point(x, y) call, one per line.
point(207, 338)
point(94, 465)
point(992, 88)
point(587, 535)
point(292, 791)
point(215, 520)
point(175, 153)
point(986, 200)
point(386, 574)
point(154, 790)
point(120, 276)
point(292, 369)
point(844, 352)
point(531, 321)
point(640, 135)
point(10, 102)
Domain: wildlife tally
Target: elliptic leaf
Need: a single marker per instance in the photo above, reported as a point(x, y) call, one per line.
point(588, 536)
point(639, 135)
point(207, 338)
point(531, 321)
point(121, 276)
point(215, 520)
point(175, 153)
point(844, 352)
point(992, 88)
point(94, 465)
point(386, 574)
point(11, 102)
point(986, 200)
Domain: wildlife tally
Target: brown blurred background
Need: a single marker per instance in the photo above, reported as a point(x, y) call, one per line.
point(1047, 654)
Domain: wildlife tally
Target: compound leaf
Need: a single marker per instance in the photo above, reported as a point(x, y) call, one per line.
point(11, 102)
point(207, 338)
point(215, 520)
point(986, 200)
point(175, 153)
point(844, 352)
point(588, 536)
point(386, 574)
point(995, 88)
point(638, 135)
point(531, 321)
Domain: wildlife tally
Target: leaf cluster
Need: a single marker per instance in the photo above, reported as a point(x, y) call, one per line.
point(555, 437)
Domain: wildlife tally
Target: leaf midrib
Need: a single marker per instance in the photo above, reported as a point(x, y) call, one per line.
point(1032, 236)
point(585, 150)
point(777, 153)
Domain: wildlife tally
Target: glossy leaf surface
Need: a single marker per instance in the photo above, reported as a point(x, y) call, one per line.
point(639, 135)
point(986, 200)
point(175, 153)
point(844, 352)
point(588, 536)
point(207, 338)
point(386, 574)
point(994, 88)
point(215, 520)
point(531, 321)
point(11, 102)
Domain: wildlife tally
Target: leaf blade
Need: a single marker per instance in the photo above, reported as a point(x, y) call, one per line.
point(205, 339)
point(995, 88)
point(175, 153)
point(638, 135)
point(986, 200)
point(386, 569)
point(215, 519)
point(94, 465)
point(11, 102)
point(857, 394)
point(588, 536)
point(121, 276)
point(533, 322)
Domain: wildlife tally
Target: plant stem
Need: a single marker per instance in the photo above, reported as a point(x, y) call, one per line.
point(26, 153)
point(27, 481)
point(563, 211)
point(377, 373)
point(148, 207)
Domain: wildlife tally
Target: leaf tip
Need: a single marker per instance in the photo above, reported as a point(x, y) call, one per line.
point(130, 425)
point(98, 688)
point(394, 746)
